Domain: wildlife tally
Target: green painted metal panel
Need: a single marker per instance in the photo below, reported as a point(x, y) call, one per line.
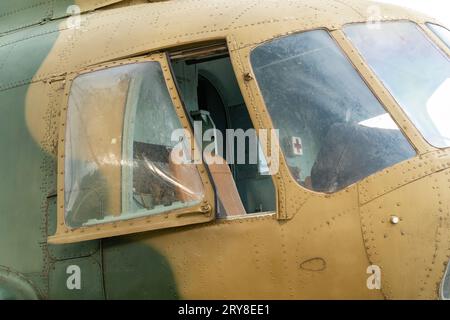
point(22, 192)
point(20, 196)
point(20, 62)
point(91, 281)
point(148, 273)
point(14, 286)
point(20, 14)
point(23, 13)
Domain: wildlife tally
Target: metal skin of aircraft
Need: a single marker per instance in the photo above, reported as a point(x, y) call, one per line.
point(71, 69)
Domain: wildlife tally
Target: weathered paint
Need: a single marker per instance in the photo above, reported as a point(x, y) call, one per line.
point(314, 246)
point(23, 190)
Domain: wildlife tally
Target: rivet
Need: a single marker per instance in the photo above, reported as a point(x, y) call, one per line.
point(395, 219)
point(248, 77)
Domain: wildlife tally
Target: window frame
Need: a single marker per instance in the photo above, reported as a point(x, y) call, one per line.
point(201, 213)
point(434, 36)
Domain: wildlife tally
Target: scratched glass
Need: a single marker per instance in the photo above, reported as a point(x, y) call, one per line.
point(118, 163)
point(333, 131)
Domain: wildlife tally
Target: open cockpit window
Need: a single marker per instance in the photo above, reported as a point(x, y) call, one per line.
point(333, 131)
point(123, 145)
point(222, 125)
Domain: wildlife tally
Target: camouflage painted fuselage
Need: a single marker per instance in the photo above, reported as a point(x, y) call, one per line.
point(315, 246)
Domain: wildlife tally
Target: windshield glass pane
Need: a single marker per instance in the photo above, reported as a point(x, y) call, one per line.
point(415, 71)
point(441, 32)
point(333, 131)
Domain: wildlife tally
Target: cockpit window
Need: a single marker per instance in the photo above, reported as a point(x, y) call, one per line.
point(118, 163)
point(333, 131)
point(441, 32)
point(416, 72)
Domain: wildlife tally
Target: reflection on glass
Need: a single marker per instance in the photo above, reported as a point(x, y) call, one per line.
point(333, 131)
point(118, 162)
point(441, 32)
point(263, 166)
point(383, 121)
point(438, 107)
point(414, 70)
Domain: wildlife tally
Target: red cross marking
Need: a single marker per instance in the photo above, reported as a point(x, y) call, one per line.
point(297, 144)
